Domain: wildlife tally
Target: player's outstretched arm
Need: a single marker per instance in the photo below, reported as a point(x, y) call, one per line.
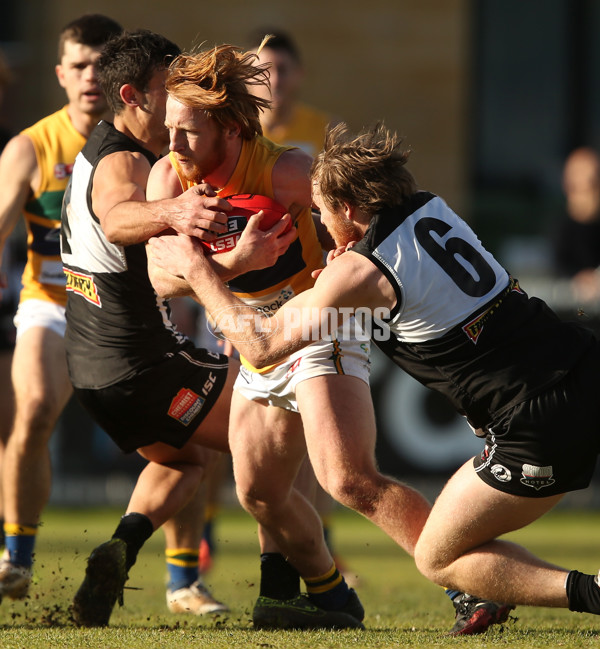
point(346, 284)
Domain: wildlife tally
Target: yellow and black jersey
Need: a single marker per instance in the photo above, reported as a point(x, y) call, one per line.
point(56, 143)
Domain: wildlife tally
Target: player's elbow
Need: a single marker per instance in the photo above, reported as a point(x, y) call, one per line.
point(162, 286)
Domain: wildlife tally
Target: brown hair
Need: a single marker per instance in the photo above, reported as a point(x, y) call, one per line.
point(365, 170)
point(133, 57)
point(90, 29)
point(218, 81)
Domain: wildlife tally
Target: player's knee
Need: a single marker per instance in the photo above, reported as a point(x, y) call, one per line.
point(35, 423)
point(258, 502)
point(430, 564)
point(354, 490)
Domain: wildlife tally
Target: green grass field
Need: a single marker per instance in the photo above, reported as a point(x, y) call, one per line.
point(403, 609)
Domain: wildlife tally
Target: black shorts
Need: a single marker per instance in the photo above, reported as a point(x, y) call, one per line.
point(548, 445)
point(164, 403)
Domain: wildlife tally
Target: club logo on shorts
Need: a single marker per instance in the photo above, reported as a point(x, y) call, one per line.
point(185, 406)
point(537, 477)
point(501, 473)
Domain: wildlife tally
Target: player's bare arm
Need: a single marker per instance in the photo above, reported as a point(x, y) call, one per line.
point(119, 200)
point(291, 179)
point(19, 177)
point(349, 282)
point(255, 250)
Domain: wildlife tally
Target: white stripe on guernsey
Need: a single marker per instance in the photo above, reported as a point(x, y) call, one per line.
point(168, 324)
point(193, 361)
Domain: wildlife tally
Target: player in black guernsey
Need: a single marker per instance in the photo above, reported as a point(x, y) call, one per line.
point(148, 386)
point(109, 345)
point(449, 314)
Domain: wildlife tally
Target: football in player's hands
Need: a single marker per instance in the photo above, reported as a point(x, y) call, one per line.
point(243, 207)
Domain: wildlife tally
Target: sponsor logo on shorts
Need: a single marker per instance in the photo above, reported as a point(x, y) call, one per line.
point(537, 477)
point(185, 406)
point(295, 365)
point(501, 473)
point(82, 285)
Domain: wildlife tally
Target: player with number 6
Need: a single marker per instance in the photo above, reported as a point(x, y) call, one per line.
point(460, 324)
point(314, 399)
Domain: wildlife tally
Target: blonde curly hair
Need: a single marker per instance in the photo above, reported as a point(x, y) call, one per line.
point(365, 170)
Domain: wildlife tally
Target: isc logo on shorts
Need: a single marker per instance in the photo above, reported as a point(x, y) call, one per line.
point(185, 406)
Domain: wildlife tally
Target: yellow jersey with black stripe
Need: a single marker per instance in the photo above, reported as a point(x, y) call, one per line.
point(272, 287)
point(56, 143)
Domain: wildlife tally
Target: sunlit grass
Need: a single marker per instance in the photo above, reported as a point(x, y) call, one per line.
point(403, 609)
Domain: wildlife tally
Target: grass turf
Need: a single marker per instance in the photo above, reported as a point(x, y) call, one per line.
point(403, 609)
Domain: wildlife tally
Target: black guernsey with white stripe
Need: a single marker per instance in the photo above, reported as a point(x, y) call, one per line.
point(105, 342)
point(462, 325)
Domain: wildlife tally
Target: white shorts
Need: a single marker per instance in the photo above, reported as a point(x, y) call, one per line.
point(350, 357)
point(40, 313)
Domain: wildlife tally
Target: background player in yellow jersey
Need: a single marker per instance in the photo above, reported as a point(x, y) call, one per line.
point(8, 300)
point(34, 171)
point(287, 120)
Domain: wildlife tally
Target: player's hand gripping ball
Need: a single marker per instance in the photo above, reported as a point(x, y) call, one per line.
point(244, 206)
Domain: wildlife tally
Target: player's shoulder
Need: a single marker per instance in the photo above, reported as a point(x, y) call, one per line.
point(350, 268)
point(19, 155)
point(291, 166)
point(164, 171)
point(295, 156)
point(163, 181)
point(164, 166)
point(120, 169)
point(59, 119)
point(352, 280)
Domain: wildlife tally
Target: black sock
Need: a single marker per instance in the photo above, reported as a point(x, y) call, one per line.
point(278, 578)
point(583, 593)
point(135, 530)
